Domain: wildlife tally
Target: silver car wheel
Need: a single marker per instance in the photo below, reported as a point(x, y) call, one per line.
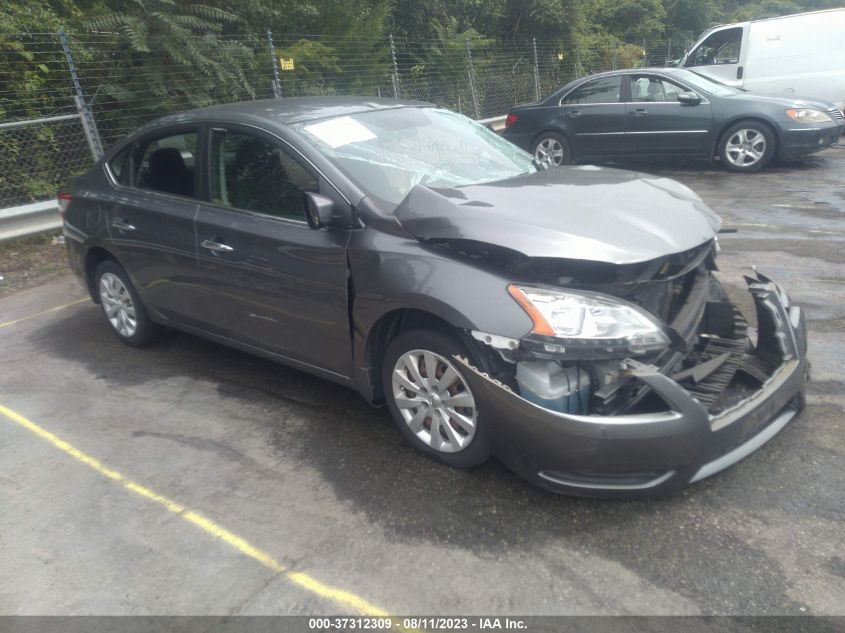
point(118, 306)
point(434, 400)
point(745, 147)
point(551, 150)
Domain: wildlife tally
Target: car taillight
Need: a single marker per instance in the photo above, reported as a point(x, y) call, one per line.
point(510, 119)
point(63, 199)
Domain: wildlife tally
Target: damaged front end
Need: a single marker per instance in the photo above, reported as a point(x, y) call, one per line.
point(603, 423)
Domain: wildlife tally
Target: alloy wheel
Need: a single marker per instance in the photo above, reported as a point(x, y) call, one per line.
point(434, 400)
point(117, 305)
point(745, 147)
point(551, 150)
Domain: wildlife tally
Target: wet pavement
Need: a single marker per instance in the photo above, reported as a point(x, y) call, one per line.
point(309, 473)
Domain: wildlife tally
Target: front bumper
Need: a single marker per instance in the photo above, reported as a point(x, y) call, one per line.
point(652, 453)
point(799, 142)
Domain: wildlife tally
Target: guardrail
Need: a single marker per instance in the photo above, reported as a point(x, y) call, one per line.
point(495, 123)
point(29, 219)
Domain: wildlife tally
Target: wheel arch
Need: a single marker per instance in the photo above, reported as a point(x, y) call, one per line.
point(771, 125)
point(391, 324)
point(94, 256)
point(553, 130)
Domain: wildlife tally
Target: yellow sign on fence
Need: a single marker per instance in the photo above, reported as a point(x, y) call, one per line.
point(286, 64)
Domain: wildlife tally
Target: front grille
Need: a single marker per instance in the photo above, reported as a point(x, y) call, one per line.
point(836, 113)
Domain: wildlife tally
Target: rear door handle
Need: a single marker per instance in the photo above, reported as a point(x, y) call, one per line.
point(217, 247)
point(122, 225)
point(574, 113)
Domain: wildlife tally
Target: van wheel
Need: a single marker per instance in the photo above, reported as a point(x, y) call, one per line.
point(122, 306)
point(552, 147)
point(431, 401)
point(747, 146)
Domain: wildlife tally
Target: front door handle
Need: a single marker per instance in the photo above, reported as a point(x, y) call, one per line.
point(640, 112)
point(122, 225)
point(574, 113)
point(217, 247)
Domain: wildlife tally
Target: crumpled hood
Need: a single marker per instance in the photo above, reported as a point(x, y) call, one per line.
point(585, 212)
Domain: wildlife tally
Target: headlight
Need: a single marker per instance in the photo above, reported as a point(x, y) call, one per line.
point(806, 115)
point(590, 320)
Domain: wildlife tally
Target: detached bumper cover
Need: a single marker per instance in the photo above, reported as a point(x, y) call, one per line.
point(653, 453)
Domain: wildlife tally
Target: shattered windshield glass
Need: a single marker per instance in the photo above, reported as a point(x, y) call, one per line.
point(388, 152)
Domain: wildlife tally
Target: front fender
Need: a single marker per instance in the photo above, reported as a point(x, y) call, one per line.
point(400, 273)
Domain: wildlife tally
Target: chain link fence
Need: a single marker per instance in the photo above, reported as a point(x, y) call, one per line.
point(65, 97)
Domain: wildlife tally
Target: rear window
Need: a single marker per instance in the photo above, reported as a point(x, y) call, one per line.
point(119, 165)
point(602, 90)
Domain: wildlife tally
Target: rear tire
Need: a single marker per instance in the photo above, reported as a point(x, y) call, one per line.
point(122, 306)
point(747, 146)
point(438, 413)
point(554, 147)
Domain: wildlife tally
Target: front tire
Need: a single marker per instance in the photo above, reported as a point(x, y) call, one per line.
point(122, 306)
point(747, 146)
point(431, 401)
point(553, 147)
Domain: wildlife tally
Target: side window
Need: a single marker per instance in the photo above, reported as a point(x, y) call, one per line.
point(250, 173)
point(119, 165)
point(722, 47)
point(649, 89)
point(604, 90)
point(167, 164)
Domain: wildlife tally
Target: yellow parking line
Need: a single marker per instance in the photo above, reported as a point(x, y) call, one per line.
point(307, 582)
point(38, 314)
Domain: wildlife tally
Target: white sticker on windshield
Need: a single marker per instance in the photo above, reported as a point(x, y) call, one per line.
point(340, 131)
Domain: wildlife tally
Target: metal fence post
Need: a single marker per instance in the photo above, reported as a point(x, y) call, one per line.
point(668, 52)
point(394, 77)
point(89, 126)
point(471, 74)
point(277, 85)
point(536, 69)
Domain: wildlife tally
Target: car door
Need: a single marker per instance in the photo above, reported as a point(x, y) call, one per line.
point(270, 280)
point(721, 55)
point(151, 219)
point(594, 115)
point(660, 125)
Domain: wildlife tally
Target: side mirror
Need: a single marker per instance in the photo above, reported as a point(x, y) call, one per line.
point(689, 98)
point(322, 212)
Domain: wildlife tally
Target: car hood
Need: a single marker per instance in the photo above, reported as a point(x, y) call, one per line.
point(786, 101)
point(586, 213)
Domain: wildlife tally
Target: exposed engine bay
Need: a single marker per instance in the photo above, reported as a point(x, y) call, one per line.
point(713, 353)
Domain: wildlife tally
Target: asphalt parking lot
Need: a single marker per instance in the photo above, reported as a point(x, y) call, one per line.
point(188, 478)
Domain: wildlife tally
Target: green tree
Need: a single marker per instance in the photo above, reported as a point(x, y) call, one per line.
point(170, 56)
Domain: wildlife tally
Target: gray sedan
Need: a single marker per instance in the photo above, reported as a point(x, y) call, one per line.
point(669, 112)
point(565, 320)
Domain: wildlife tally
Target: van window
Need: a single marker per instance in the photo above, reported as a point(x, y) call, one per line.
point(721, 47)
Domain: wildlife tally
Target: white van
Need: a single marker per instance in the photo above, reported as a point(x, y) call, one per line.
point(802, 54)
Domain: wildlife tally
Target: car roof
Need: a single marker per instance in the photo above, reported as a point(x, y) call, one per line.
point(286, 111)
point(666, 70)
